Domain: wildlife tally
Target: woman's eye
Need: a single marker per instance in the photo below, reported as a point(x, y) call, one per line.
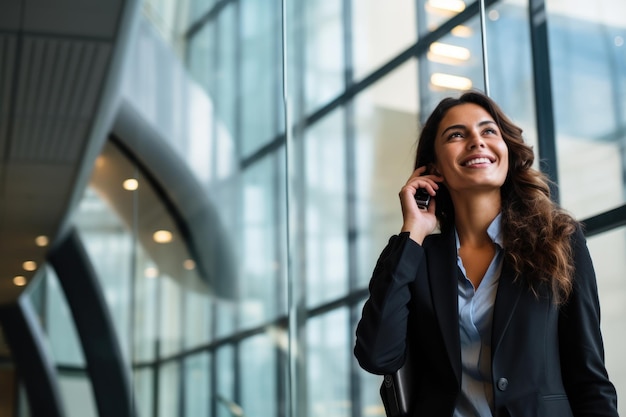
point(490, 131)
point(454, 135)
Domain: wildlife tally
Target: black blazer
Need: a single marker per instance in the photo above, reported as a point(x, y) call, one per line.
point(546, 360)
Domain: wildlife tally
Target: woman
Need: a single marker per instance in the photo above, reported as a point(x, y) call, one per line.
point(500, 309)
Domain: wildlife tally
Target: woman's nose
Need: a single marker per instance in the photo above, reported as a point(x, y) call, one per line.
point(475, 141)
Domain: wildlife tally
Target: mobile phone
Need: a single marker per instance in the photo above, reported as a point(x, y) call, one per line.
point(422, 198)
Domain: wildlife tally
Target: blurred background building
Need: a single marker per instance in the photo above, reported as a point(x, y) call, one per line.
point(194, 192)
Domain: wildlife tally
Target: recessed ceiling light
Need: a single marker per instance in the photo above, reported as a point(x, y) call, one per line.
point(162, 236)
point(41, 241)
point(19, 280)
point(130, 184)
point(189, 264)
point(29, 265)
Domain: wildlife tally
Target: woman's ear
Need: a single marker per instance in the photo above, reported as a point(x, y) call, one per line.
point(432, 168)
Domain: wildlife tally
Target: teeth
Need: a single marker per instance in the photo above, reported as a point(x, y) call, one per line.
point(477, 161)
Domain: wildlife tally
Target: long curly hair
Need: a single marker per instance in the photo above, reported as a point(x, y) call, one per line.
point(536, 231)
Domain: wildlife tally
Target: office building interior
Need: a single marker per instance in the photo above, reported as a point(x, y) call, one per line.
point(193, 193)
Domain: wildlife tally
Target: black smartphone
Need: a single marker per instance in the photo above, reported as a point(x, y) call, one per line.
point(422, 198)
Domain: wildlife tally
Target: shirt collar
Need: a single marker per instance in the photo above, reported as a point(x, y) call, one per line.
point(494, 231)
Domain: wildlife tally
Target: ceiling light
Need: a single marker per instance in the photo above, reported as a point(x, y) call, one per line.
point(162, 236)
point(462, 31)
point(131, 184)
point(455, 6)
point(494, 15)
point(189, 264)
point(29, 265)
point(449, 51)
point(453, 82)
point(19, 280)
point(151, 272)
point(41, 241)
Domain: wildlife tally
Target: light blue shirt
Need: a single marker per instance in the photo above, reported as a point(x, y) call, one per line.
point(475, 319)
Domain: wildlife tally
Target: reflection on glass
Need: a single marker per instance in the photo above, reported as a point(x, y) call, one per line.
point(607, 251)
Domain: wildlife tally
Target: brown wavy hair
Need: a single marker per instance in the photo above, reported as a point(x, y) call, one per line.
point(536, 231)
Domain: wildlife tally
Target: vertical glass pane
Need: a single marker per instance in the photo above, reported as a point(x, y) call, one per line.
point(386, 134)
point(170, 310)
point(143, 380)
point(146, 302)
point(226, 75)
point(201, 56)
point(326, 214)
point(64, 341)
point(109, 245)
point(197, 385)
point(328, 365)
point(259, 68)
point(258, 363)
point(225, 384)
point(380, 31)
point(77, 395)
point(510, 69)
point(588, 68)
point(169, 392)
point(259, 250)
point(607, 251)
point(198, 322)
point(324, 60)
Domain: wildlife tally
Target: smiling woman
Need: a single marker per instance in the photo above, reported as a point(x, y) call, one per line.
point(508, 282)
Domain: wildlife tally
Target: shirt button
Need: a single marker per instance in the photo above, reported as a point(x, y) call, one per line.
point(503, 383)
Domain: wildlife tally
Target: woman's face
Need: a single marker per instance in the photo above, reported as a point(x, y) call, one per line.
point(470, 152)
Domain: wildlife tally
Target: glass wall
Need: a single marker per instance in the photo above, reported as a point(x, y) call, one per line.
point(297, 131)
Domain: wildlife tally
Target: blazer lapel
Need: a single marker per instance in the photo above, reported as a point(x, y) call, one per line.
point(443, 275)
point(507, 298)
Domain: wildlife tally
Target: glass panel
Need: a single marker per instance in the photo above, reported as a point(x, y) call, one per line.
point(198, 8)
point(198, 320)
point(170, 311)
point(109, 245)
point(258, 363)
point(386, 134)
point(226, 77)
point(197, 385)
point(381, 30)
point(329, 354)
point(324, 65)
point(169, 391)
point(64, 341)
point(259, 71)
point(259, 255)
point(146, 308)
point(143, 379)
point(510, 69)
point(77, 395)
point(589, 83)
point(201, 60)
point(225, 384)
point(326, 214)
point(607, 251)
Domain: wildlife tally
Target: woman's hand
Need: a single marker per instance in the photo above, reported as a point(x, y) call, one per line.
point(419, 222)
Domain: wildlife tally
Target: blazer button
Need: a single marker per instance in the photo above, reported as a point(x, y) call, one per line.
point(503, 383)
